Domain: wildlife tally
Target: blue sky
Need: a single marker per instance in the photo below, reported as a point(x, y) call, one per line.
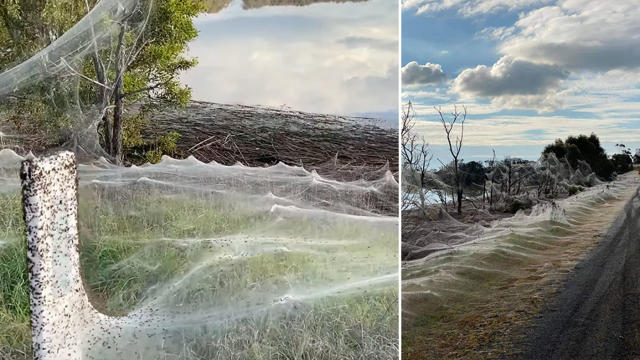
point(528, 71)
point(327, 57)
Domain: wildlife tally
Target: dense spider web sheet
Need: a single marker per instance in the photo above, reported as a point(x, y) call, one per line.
point(210, 261)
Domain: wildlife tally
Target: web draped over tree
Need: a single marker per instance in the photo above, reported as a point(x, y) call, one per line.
point(202, 260)
point(81, 86)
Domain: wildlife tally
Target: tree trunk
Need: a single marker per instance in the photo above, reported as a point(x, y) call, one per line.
point(458, 185)
point(453, 197)
point(509, 181)
point(491, 195)
point(484, 192)
point(103, 100)
point(422, 199)
point(116, 138)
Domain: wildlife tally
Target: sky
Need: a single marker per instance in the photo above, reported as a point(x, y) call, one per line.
point(327, 57)
point(528, 71)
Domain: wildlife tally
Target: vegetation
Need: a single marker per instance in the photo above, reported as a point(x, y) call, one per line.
point(416, 160)
point(584, 149)
point(455, 146)
point(573, 189)
point(622, 163)
point(143, 64)
point(125, 255)
point(507, 185)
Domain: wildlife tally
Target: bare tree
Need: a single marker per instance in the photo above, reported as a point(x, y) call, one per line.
point(455, 146)
point(415, 159)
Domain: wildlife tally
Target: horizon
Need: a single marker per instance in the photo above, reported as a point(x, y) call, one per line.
point(484, 153)
point(529, 73)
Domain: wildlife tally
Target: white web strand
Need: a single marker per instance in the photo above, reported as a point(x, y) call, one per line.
point(279, 243)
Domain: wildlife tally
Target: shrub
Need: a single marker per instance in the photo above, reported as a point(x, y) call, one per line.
point(574, 189)
point(513, 205)
point(622, 163)
point(584, 148)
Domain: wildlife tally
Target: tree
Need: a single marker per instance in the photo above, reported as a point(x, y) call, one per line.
point(455, 146)
point(492, 172)
point(141, 65)
point(622, 163)
point(27, 26)
point(415, 159)
point(583, 149)
point(472, 174)
point(147, 65)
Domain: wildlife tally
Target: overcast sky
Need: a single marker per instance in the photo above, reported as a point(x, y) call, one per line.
point(529, 71)
point(327, 58)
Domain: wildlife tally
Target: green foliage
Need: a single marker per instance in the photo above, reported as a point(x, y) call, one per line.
point(515, 204)
point(161, 60)
point(15, 334)
point(132, 131)
point(27, 26)
point(473, 173)
point(164, 145)
point(573, 189)
point(622, 163)
point(583, 148)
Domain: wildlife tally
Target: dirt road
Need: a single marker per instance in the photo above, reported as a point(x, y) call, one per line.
point(597, 313)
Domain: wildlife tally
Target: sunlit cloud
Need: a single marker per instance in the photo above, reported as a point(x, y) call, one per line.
point(416, 74)
point(561, 68)
point(328, 57)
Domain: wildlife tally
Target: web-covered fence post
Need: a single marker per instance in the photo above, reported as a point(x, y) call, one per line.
point(60, 309)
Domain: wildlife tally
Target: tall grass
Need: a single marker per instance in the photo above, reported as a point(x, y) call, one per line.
point(128, 254)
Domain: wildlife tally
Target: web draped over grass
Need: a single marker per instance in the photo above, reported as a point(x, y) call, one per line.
point(223, 262)
point(478, 297)
point(208, 261)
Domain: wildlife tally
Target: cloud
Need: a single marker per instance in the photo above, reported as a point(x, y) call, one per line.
point(495, 33)
point(469, 8)
point(369, 42)
point(214, 6)
point(576, 62)
point(509, 76)
point(416, 74)
point(579, 35)
point(513, 83)
point(504, 130)
point(325, 58)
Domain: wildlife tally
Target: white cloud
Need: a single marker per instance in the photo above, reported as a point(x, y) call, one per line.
point(427, 74)
point(513, 84)
point(495, 33)
point(328, 58)
point(469, 8)
point(513, 130)
point(580, 35)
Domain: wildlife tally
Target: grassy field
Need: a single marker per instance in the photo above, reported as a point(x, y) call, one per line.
point(479, 300)
point(179, 251)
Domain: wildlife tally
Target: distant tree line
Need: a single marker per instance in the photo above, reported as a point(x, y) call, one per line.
point(566, 166)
